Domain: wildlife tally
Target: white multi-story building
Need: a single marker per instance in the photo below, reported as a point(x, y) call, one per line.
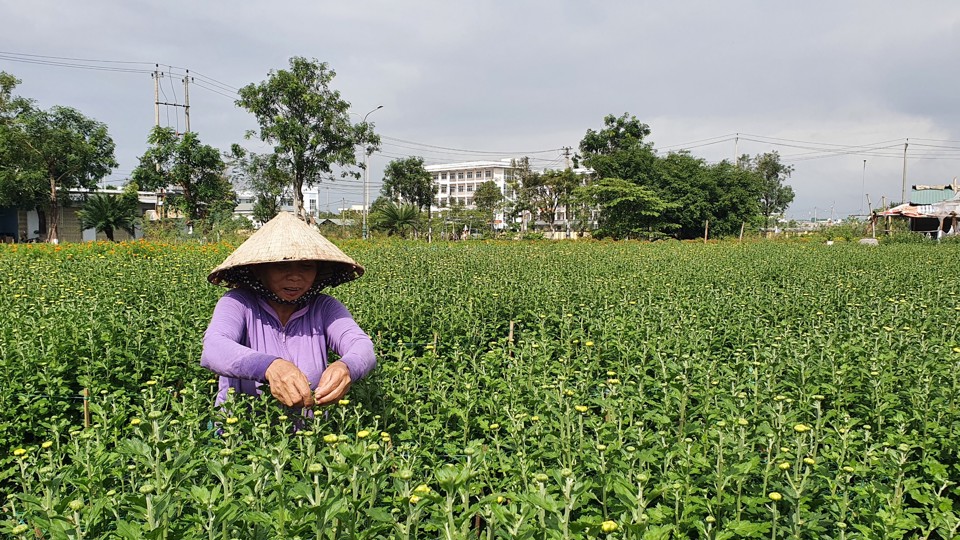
point(457, 182)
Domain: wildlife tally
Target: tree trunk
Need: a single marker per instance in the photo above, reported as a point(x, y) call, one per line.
point(298, 199)
point(53, 216)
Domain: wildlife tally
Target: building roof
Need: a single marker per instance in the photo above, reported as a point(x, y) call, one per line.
point(505, 163)
point(939, 209)
point(921, 195)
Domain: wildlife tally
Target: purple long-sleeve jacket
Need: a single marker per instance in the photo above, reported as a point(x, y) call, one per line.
point(245, 336)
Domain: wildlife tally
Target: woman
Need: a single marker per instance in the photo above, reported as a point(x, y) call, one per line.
point(274, 326)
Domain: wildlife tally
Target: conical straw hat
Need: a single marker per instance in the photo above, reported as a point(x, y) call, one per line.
point(287, 238)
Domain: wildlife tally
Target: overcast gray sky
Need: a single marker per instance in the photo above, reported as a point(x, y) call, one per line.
point(828, 84)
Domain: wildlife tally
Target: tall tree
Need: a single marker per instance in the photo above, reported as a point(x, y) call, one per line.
point(488, 198)
point(625, 195)
point(543, 194)
point(721, 193)
point(108, 212)
point(45, 153)
point(307, 123)
point(775, 194)
point(407, 180)
point(197, 171)
point(619, 150)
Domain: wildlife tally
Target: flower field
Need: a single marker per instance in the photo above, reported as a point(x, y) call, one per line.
point(524, 390)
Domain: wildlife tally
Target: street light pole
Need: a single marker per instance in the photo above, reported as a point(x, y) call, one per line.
point(366, 178)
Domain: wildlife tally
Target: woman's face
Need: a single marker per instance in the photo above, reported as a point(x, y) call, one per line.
point(289, 280)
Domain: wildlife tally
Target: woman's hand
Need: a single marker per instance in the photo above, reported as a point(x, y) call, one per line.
point(288, 384)
point(334, 383)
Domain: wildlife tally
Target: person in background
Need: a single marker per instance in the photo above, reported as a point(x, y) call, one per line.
point(276, 326)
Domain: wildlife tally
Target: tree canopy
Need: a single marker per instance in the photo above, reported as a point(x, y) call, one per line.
point(542, 194)
point(407, 180)
point(692, 191)
point(108, 212)
point(196, 170)
point(396, 219)
point(307, 123)
point(265, 176)
point(775, 195)
point(44, 153)
point(488, 198)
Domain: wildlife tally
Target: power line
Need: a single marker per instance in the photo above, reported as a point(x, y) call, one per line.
point(461, 150)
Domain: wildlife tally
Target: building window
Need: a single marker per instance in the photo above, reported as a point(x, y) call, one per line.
point(443, 176)
point(470, 175)
point(460, 188)
point(488, 174)
point(469, 188)
point(459, 176)
point(443, 188)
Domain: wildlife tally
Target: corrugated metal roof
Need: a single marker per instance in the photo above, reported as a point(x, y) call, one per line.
point(930, 196)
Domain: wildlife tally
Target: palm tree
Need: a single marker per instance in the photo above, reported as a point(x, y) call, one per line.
point(396, 219)
point(107, 213)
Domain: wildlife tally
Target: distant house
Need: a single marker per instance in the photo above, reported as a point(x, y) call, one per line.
point(932, 209)
point(18, 225)
point(335, 222)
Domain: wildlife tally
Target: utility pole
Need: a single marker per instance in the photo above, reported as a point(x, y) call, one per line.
point(566, 156)
point(156, 94)
point(863, 185)
point(366, 177)
point(903, 194)
point(186, 100)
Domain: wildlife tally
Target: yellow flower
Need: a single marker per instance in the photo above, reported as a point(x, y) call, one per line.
point(581, 408)
point(422, 489)
point(135, 422)
point(343, 402)
point(534, 418)
point(19, 452)
point(233, 420)
point(414, 499)
point(809, 461)
point(46, 444)
point(362, 434)
point(774, 496)
point(609, 526)
point(589, 344)
point(330, 438)
point(801, 428)
point(784, 466)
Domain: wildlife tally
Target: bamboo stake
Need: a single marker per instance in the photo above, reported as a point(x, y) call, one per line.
point(86, 407)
